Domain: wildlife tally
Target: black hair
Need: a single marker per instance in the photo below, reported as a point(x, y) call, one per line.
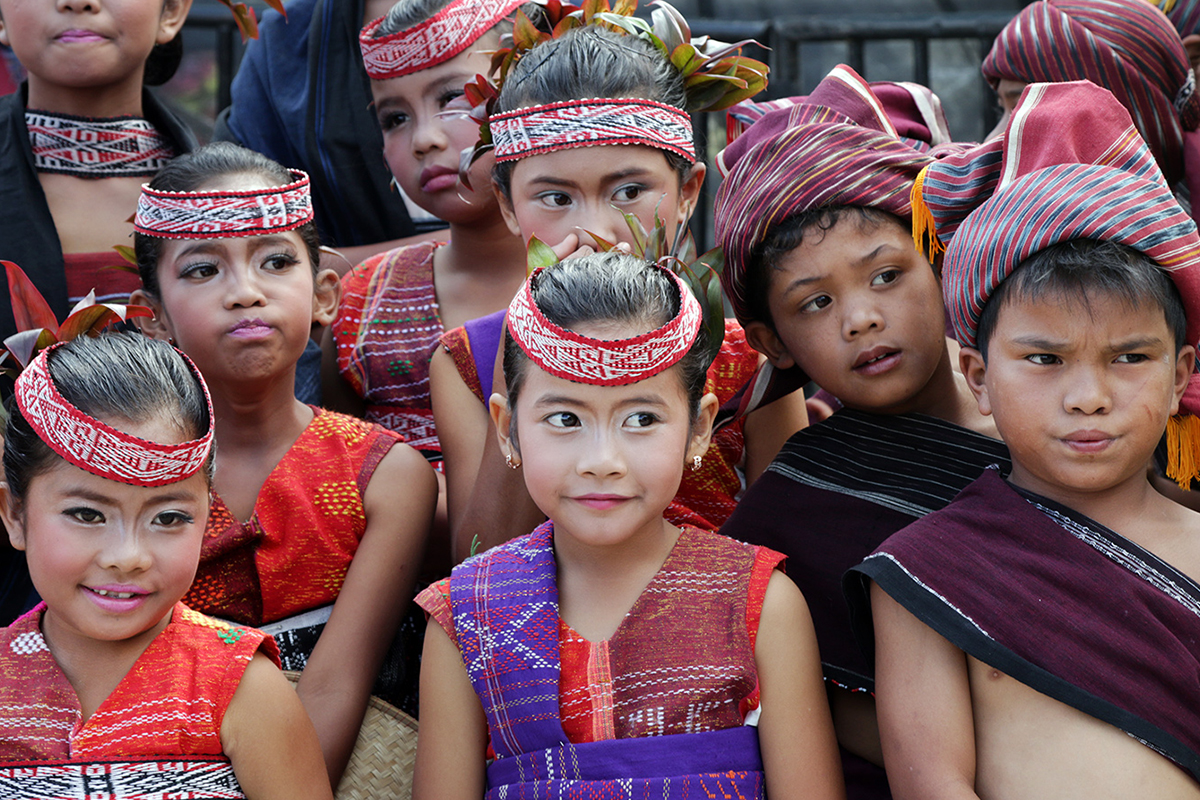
point(1083, 268)
point(407, 13)
point(789, 234)
point(609, 287)
point(116, 376)
point(164, 59)
point(189, 172)
point(591, 62)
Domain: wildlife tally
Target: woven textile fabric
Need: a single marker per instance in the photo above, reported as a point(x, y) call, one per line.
point(439, 38)
point(385, 333)
point(293, 553)
point(218, 214)
point(111, 277)
point(1184, 15)
point(171, 702)
point(586, 123)
point(1057, 601)
point(808, 156)
point(1126, 46)
point(121, 147)
point(194, 778)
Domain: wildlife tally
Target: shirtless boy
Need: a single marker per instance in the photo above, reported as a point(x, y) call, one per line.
point(1040, 636)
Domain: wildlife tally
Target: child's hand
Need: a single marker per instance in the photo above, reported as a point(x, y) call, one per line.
point(571, 247)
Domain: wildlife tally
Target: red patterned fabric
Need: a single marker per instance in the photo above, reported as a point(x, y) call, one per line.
point(101, 449)
point(439, 38)
point(111, 277)
point(602, 362)
point(648, 679)
point(585, 123)
point(385, 332)
point(293, 553)
point(219, 215)
point(171, 702)
point(96, 148)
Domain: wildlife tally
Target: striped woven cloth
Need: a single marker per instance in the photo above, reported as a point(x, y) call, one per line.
point(1127, 46)
point(838, 148)
point(1184, 15)
point(1070, 166)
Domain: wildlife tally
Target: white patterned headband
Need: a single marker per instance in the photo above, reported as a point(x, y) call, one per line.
point(101, 449)
point(585, 123)
point(222, 214)
point(439, 38)
point(602, 362)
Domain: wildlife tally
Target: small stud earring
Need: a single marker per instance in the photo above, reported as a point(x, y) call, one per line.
point(696, 461)
point(511, 462)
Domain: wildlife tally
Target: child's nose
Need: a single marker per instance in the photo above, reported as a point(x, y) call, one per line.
point(860, 316)
point(1088, 392)
point(125, 552)
point(245, 289)
point(428, 135)
point(603, 458)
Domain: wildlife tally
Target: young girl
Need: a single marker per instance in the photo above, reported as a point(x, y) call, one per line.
point(396, 305)
point(80, 137)
point(589, 127)
point(609, 646)
point(107, 465)
point(307, 532)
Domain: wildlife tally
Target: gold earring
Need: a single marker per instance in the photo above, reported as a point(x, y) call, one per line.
point(511, 462)
point(696, 461)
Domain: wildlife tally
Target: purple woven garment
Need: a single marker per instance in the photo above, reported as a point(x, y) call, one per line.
point(1184, 15)
point(505, 605)
point(1057, 601)
point(1127, 46)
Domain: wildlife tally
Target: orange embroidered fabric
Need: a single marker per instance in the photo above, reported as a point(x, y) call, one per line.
point(682, 661)
point(293, 553)
point(172, 701)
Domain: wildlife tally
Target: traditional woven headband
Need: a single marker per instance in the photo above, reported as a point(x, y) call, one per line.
point(439, 38)
point(602, 362)
point(101, 449)
point(584, 123)
point(218, 215)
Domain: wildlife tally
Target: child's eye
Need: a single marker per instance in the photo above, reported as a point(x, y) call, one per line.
point(280, 261)
point(642, 419)
point(628, 193)
point(1132, 358)
point(887, 276)
point(563, 419)
point(88, 516)
point(1043, 359)
point(171, 519)
point(555, 199)
point(816, 304)
point(392, 119)
point(198, 270)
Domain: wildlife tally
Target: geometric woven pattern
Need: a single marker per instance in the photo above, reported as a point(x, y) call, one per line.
point(439, 38)
point(585, 123)
point(601, 362)
point(195, 778)
point(217, 215)
point(96, 148)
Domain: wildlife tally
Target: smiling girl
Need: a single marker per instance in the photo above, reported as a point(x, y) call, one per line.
point(609, 639)
point(308, 534)
point(80, 137)
point(107, 464)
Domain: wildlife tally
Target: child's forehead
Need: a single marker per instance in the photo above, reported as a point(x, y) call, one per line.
point(849, 239)
point(1080, 314)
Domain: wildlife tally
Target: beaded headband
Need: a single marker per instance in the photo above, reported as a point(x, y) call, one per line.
point(602, 362)
point(439, 38)
point(222, 214)
point(101, 449)
point(584, 123)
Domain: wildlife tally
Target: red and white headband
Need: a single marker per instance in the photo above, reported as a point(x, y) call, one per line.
point(602, 362)
point(101, 449)
point(585, 123)
point(439, 38)
point(222, 214)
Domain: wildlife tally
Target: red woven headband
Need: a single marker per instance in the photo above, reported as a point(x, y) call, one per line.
point(602, 362)
point(439, 38)
point(585, 123)
point(101, 449)
point(219, 215)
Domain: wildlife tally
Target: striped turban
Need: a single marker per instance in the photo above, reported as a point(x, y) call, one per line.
point(837, 148)
point(1184, 15)
point(1126, 46)
point(1071, 165)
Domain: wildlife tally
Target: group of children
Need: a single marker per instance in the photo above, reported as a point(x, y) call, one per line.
point(989, 590)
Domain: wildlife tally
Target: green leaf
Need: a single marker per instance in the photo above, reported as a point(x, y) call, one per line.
point(538, 254)
point(30, 309)
point(87, 321)
point(637, 232)
point(126, 252)
point(686, 60)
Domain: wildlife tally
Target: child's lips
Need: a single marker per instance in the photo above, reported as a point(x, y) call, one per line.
point(436, 179)
point(876, 361)
point(116, 598)
point(1089, 441)
point(601, 502)
point(250, 329)
point(79, 35)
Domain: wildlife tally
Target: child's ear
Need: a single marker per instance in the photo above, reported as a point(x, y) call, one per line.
point(327, 294)
point(702, 427)
point(974, 370)
point(763, 338)
point(1185, 363)
point(506, 210)
point(4, 33)
point(502, 420)
point(174, 14)
point(689, 191)
point(10, 512)
point(156, 327)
